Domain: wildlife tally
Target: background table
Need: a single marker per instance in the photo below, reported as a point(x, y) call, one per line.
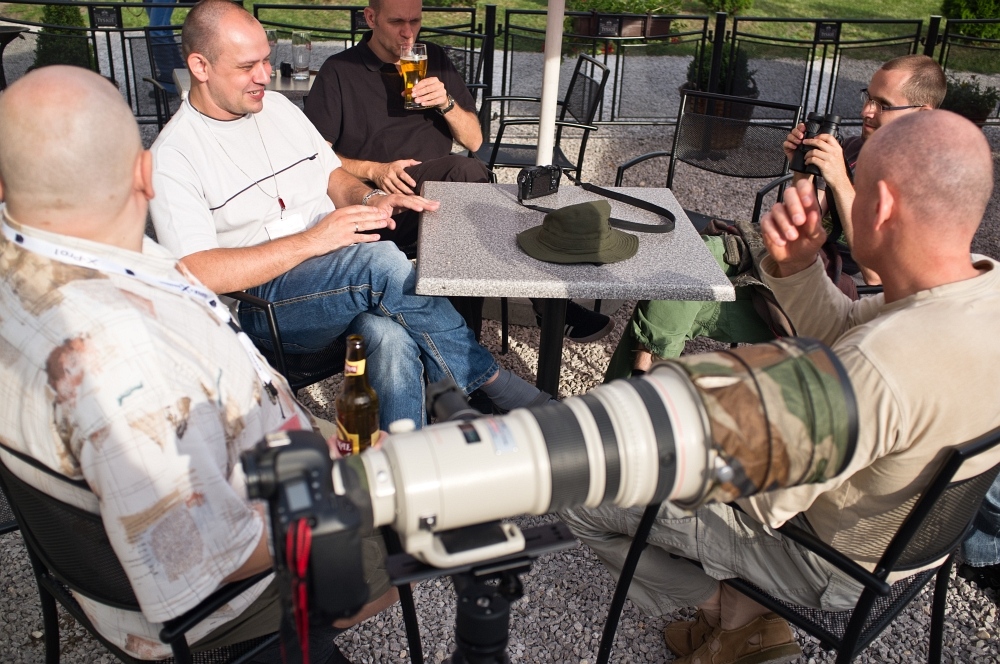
point(286, 86)
point(469, 247)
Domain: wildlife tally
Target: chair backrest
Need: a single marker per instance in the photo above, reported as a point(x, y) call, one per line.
point(8, 521)
point(942, 514)
point(585, 92)
point(734, 136)
point(70, 542)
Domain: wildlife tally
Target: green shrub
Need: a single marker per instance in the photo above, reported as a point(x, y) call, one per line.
point(970, 99)
point(739, 82)
point(968, 9)
point(728, 6)
point(57, 46)
point(624, 6)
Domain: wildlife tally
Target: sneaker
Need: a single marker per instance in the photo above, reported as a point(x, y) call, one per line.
point(764, 639)
point(986, 577)
point(583, 325)
point(683, 637)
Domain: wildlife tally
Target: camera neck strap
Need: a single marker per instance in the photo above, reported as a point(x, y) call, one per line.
point(623, 224)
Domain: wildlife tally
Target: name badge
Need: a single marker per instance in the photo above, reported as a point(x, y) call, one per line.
point(289, 225)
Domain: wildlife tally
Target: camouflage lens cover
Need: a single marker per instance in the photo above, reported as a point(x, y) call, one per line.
point(781, 414)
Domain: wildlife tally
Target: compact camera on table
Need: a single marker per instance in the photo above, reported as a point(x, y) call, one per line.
point(537, 181)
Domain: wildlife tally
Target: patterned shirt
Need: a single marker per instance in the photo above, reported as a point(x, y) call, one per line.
point(146, 395)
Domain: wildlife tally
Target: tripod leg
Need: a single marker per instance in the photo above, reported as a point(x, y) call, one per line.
point(393, 545)
point(624, 581)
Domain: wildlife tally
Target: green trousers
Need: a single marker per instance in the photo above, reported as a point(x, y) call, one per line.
point(663, 326)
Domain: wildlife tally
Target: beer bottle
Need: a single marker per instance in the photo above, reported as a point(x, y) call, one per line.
point(357, 403)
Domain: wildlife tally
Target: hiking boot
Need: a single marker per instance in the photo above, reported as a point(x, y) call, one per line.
point(764, 639)
point(986, 577)
point(583, 325)
point(683, 637)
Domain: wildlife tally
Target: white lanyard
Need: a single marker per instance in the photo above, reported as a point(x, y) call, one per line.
point(196, 293)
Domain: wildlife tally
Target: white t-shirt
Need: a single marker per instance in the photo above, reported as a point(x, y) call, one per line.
point(217, 183)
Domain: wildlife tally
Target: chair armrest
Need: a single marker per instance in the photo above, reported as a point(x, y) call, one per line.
point(764, 191)
point(527, 121)
point(632, 162)
point(508, 98)
point(176, 628)
point(836, 558)
point(272, 325)
point(156, 84)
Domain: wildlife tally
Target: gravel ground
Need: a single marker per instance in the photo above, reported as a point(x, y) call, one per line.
point(566, 594)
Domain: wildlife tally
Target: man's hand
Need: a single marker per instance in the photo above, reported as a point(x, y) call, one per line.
point(345, 226)
point(392, 177)
point(793, 230)
point(791, 143)
point(828, 156)
point(430, 93)
point(396, 203)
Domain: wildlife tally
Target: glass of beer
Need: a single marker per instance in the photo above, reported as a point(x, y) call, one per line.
point(301, 54)
point(413, 67)
point(272, 41)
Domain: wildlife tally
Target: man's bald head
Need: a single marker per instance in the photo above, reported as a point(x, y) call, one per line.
point(200, 33)
point(68, 144)
point(939, 164)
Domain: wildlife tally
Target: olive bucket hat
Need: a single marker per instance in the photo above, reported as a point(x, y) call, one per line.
point(578, 233)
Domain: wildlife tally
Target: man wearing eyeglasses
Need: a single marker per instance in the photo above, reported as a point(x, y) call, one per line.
point(903, 85)
point(659, 328)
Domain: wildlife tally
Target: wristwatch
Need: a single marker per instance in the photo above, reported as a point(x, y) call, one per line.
point(451, 105)
point(373, 192)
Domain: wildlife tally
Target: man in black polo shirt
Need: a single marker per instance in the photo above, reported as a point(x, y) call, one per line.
point(356, 103)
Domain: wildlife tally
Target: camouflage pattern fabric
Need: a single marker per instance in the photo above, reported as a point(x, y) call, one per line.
point(781, 414)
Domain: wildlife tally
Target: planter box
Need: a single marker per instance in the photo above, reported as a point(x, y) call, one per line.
point(618, 25)
point(723, 136)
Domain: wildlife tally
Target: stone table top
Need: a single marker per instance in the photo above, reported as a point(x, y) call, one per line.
point(469, 247)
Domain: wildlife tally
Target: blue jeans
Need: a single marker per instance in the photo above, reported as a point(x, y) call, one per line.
point(166, 52)
point(368, 289)
point(982, 546)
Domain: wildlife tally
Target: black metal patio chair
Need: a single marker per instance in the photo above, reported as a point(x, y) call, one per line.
point(163, 45)
point(299, 369)
point(935, 526)
point(736, 137)
point(578, 109)
point(70, 553)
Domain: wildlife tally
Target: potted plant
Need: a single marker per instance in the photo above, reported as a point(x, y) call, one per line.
point(606, 18)
point(735, 79)
point(971, 99)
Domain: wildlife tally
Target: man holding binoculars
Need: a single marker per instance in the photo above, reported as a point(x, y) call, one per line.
point(659, 328)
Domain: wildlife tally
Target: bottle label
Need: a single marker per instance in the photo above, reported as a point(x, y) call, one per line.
point(354, 367)
point(350, 443)
point(347, 443)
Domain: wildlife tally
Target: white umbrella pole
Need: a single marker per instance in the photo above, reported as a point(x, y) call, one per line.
point(550, 81)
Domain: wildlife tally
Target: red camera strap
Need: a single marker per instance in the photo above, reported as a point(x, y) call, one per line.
point(298, 545)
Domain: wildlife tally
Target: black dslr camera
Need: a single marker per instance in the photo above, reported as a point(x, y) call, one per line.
point(537, 181)
point(293, 472)
point(816, 124)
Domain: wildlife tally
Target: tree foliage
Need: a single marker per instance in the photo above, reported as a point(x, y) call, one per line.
point(60, 44)
point(969, 9)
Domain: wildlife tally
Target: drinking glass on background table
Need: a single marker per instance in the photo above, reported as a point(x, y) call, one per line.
point(301, 54)
point(413, 67)
point(272, 41)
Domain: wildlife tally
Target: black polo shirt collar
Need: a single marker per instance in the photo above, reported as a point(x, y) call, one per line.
point(372, 62)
